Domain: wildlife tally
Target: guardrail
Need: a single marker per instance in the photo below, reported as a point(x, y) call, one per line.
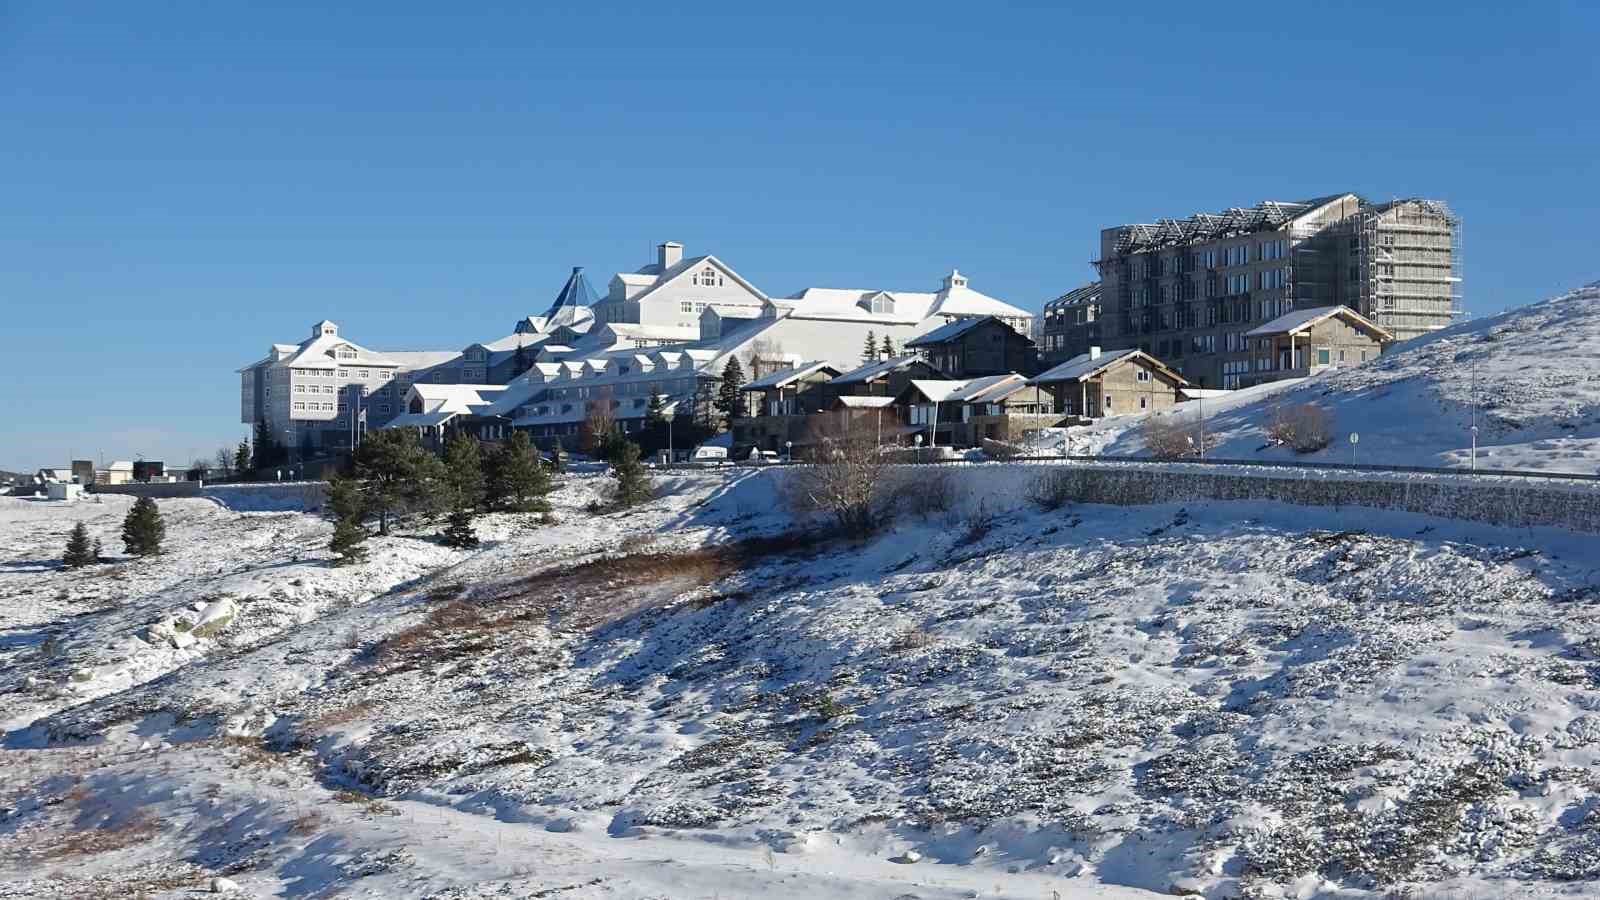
point(908, 458)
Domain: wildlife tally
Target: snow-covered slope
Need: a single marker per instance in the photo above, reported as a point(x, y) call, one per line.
point(1241, 699)
point(1534, 373)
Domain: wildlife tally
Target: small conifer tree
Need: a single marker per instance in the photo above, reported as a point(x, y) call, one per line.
point(142, 529)
point(517, 480)
point(79, 551)
point(241, 457)
point(888, 348)
point(633, 482)
point(348, 540)
point(729, 400)
point(463, 463)
point(349, 507)
point(869, 353)
point(459, 532)
point(99, 555)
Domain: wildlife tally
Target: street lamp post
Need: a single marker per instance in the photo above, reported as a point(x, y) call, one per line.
point(788, 451)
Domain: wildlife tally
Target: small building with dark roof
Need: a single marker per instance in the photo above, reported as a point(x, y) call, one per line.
point(977, 346)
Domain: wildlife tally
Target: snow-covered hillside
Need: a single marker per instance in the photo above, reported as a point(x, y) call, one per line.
point(1095, 702)
point(1534, 373)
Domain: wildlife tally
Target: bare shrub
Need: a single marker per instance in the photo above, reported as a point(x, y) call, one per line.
point(1051, 489)
point(979, 525)
point(1000, 450)
point(927, 491)
point(845, 477)
point(911, 639)
point(1168, 438)
point(1304, 428)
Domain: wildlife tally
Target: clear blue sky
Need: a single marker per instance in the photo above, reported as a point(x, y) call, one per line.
point(185, 183)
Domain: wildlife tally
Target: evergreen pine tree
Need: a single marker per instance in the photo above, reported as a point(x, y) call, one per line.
point(729, 400)
point(348, 538)
point(349, 508)
point(345, 500)
point(888, 348)
point(241, 458)
point(516, 479)
point(142, 529)
point(633, 482)
point(463, 465)
point(459, 532)
point(520, 361)
point(655, 415)
point(398, 475)
point(99, 556)
point(869, 354)
point(79, 551)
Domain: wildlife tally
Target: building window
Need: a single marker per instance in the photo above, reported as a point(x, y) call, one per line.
point(1322, 356)
point(366, 373)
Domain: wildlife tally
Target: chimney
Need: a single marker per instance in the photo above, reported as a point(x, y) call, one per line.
point(1094, 352)
point(669, 254)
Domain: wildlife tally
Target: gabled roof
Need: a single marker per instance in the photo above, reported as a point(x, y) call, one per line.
point(1085, 365)
point(1302, 320)
point(937, 390)
point(875, 370)
point(786, 377)
point(456, 398)
point(951, 330)
point(682, 268)
point(987, 388)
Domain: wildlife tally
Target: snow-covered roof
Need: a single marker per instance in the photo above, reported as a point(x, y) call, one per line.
point(422, 359)
point(875, 370)
point(937, 390)
point(684, 333)
point(948, 331)
point(953, 299)
point(785, 377)
point(866, 402)
point(416, 420)
point(655, 279)
point(987, 388)
point(457, 398)
point(1086, 365)
point(121, 465)
point(1302, 320)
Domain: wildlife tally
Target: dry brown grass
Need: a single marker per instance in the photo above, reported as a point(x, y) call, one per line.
point(335, 717)
point(583, 596)
point(114, 833)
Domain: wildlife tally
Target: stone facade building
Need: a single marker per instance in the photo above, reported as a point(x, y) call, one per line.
point(1190, 291)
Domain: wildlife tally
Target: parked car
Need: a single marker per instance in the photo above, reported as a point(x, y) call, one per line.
point(705, 453)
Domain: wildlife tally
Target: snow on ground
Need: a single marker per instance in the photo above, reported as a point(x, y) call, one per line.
point(1532, 370)
point(1096, 702)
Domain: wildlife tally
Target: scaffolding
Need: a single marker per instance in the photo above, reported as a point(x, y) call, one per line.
point(1406, 265)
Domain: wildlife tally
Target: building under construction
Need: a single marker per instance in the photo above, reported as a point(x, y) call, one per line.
point(1191, 290)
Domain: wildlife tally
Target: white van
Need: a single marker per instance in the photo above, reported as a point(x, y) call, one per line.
point(704, 453)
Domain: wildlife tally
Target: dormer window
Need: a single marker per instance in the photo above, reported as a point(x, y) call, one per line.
point(881, 305)
point(709, 277)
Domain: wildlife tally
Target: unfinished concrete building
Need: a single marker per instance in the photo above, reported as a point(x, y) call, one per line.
point(1189, 291)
